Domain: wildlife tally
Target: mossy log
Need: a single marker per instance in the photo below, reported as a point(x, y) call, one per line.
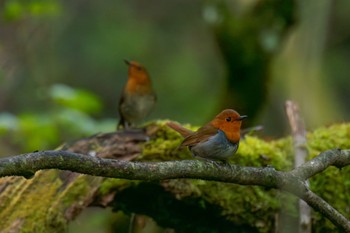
point(53, 198)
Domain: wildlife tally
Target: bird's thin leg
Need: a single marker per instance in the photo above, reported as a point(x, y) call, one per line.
point(208, 160)
point(226, 163)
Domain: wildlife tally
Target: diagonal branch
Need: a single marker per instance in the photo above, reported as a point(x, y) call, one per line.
point(320, 205)
point(338, 158)
point(26, 165)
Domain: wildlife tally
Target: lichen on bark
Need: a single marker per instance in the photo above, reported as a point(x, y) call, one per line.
point(47, 202)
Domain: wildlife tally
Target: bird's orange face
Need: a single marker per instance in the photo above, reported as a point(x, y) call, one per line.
point(229, 121)
point(138, 78)
point(137, 71)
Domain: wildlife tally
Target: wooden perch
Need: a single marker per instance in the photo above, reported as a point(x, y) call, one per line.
point(68, 192)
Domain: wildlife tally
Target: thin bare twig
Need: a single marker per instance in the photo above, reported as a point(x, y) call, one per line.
point(299, 138)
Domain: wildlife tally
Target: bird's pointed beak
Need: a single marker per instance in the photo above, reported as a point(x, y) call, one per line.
point(127, 62)
point(242, 117)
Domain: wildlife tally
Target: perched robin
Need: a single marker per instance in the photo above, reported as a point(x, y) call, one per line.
point(138, 97)
point(217, 140)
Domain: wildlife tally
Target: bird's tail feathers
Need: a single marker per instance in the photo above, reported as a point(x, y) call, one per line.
point(179, 128)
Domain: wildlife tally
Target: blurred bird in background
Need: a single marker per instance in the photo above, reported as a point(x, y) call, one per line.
point(138, 97)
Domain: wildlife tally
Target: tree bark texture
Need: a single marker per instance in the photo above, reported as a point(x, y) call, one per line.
point(52, 198)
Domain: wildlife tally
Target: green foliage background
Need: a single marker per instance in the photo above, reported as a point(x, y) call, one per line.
point(81, 45)
point(62, 70)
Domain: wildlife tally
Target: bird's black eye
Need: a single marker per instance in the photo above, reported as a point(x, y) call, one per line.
point(139, 68)
point(228, 119)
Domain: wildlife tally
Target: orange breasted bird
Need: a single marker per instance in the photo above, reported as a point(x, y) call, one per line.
point(138, 97)
point(217, 140)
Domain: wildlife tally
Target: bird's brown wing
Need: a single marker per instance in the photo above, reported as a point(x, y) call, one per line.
point(201, 135)
point(180, 129)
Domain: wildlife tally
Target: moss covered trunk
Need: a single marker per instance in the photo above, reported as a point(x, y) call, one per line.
point(48, 201)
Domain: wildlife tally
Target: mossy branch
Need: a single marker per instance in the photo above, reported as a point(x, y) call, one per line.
point(293, 181)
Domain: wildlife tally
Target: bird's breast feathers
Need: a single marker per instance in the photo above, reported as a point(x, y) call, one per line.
point(215, 147)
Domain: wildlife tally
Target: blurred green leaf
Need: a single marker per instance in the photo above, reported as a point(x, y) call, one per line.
point(38, 8)
point(8, 122)
point(76, 99)
point(68, 120)
point(37, 131)
point(75, 122)
point(13, 10)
